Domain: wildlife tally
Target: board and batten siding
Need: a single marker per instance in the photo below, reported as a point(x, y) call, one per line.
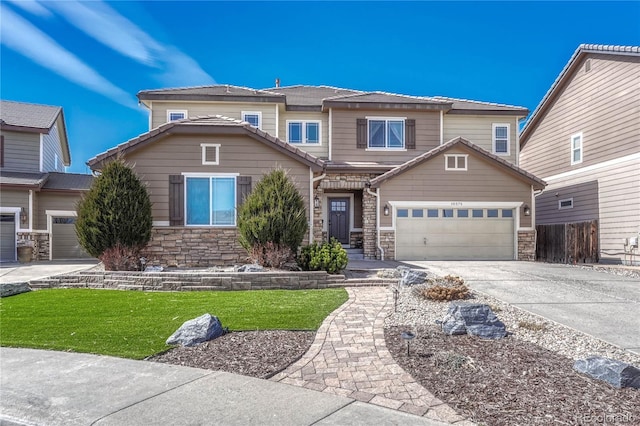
point(21, 151)
point(343, 145)
point(603, 104)
point(228, 109)
point(51, 149)
point(320, 150)
point(177, 154)
point(53, 201)
point(479, 130)
point(482, 182)
point(610, 194)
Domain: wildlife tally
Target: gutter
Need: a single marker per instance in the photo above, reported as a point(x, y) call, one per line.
point(377, 195)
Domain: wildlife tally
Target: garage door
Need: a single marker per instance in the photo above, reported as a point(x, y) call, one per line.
point(454, 234)
point(64, 239)
point(7, 238)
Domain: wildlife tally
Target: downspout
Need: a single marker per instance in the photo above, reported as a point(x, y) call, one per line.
point(31, 210)
point(377, 195)
point(330, 133)
point(277, 122)
point(312, 180)
point(441, 127)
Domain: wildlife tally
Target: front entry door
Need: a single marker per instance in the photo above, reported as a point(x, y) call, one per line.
point(339, 219)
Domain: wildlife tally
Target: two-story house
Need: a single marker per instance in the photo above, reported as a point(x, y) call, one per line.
point(584, 140)
point(37, 198)
point(401, 177)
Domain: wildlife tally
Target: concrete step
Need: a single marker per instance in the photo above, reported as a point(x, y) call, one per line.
point(44, 283)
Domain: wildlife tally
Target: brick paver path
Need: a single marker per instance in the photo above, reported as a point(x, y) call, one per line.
point(349, 357)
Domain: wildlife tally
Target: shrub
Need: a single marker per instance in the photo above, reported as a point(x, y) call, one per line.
point(270, 254)
point(121, 258)
point(445, 289)
point(274, 213)
point(114, 214)
point(328, 256)
point(533, 326)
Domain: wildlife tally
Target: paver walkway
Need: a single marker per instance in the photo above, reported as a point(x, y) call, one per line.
point(349, 357)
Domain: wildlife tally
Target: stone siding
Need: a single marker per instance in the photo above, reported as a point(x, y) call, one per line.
point(388, 244)
point(369, 241)
point(41, 244)
point(527, 245)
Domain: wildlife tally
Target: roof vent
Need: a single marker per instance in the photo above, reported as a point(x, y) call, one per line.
point(277, 82)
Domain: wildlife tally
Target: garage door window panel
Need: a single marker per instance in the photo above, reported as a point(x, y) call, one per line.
point(492, 213)
point(432, 213)
point(463, 213)
point(417, 213)
point(507, 213)
point(403, 212)
point(447, 212)
point(478, 213)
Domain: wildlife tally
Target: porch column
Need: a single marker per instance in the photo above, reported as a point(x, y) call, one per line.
point(369, 225)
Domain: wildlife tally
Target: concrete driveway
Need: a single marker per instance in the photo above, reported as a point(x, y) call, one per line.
point(25, 272)
point(604, 305)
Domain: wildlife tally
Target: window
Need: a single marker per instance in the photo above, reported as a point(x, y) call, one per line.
point(463, 213)
point(386, 133)
point(477, 213)
point(455, 162)
point(565, 204)
point(447, 212)
point(403, 212)
point(174, 115)
point(253, 117)
point(211, 201)
point(507, 213)
point(576, 148)
point(210, 154)
point(501, 139)
point(303, 132)
point(432, 213)
point(492, 213)
point(417, 213)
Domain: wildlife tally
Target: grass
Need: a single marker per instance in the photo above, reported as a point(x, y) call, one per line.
point(137, 324)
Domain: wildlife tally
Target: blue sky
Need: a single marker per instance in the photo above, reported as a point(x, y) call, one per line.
point(92, 58)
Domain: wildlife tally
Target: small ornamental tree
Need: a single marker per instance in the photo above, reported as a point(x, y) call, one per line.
point(114, 217)
point(272, 220)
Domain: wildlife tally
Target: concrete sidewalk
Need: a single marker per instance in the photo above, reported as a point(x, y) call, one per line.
point(61, 388)
point(25, 272)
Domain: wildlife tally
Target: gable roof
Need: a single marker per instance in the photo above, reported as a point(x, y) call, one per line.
point(503, 164)
point(466, 106)
point(216, 92)
point(26, 179)
point(567, 72)
point(208, 125)
point(309, 96)
point(384, 99)
point(52, 181)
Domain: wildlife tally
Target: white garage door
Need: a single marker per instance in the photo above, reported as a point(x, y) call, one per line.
point(64, 239)
point(454, 234)
point(7, 238)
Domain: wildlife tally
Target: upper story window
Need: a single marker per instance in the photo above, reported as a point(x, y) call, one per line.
point(303, 132)
point(253, 117)
point(455, 162)
point(211, 200)
point(576, 148)
point(174, 114)
point(501, 138)
point(386, 133)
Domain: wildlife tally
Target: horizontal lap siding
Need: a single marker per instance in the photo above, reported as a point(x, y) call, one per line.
point(21, 151)
point(178, 154)
point(10, 198)
point(344, 135)
point(321, 150)
point(603, 104)
point(227, 109)
point(53, 201)
point(50, 148)
point(429, 181)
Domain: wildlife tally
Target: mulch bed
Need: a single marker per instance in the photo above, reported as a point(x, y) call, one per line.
point(251, 353)
point(509, 381)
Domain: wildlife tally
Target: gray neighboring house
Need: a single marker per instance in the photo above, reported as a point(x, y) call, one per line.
point(583, 139)
point(37, 198)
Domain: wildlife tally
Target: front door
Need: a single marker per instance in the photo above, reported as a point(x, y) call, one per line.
point(339, 219)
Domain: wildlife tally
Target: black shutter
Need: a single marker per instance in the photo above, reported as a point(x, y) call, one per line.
point(243, 189)
point(410, 131)
point(361, 133)
point(176, 200)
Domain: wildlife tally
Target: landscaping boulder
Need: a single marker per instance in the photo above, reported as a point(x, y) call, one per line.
point(616, 373)
point(10, 289)
point(250, 267)
point(473, 318)
point(198, 330)
point(412, 276)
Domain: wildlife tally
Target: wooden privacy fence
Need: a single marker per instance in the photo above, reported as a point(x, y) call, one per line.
point(568, 242)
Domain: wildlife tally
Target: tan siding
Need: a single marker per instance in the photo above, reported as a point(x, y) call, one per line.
point(228, 109)
point(322, 150)
point(603, 104)
point(482, 182)
point(344, 135)
point(15, 198)
point(479, 130)
point(53, 201)
point(178, 154)
point(21, 151)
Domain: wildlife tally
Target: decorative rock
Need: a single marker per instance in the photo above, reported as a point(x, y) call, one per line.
point(198, 330)
point(10, 289)
point(473, 318)
point(253, 267)
point(153, 269)
point(413, 277)
point(390, 273)
point(616, 373)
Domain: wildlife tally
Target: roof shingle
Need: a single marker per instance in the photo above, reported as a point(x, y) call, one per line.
point(35, 116)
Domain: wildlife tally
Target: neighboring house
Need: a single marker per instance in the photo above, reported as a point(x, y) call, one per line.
point(398, 177)
point(584, 140)
point(37, 198)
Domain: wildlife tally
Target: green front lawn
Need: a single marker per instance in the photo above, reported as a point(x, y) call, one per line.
point(135, 324)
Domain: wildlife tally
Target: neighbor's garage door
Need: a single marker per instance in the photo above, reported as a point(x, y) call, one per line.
point(454, 234)
point(7, 238)
point(64, 239)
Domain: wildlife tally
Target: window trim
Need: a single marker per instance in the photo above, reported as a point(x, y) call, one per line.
point(176, 111)
point(494, 139)
point(456, 156)
point(386, 142)
point(572, 149)
point(258, 113)
point(210, 176)
point(561, 207)
point(204, 147)
point(304, 132)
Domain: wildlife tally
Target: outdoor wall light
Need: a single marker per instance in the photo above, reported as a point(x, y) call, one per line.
point(527, 210)
point(386, 210)
point(23, 215)
point(316, 202)
point(408, 337)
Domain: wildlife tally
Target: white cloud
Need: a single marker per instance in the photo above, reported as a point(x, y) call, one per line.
point(32, 6)
point(18, 34)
